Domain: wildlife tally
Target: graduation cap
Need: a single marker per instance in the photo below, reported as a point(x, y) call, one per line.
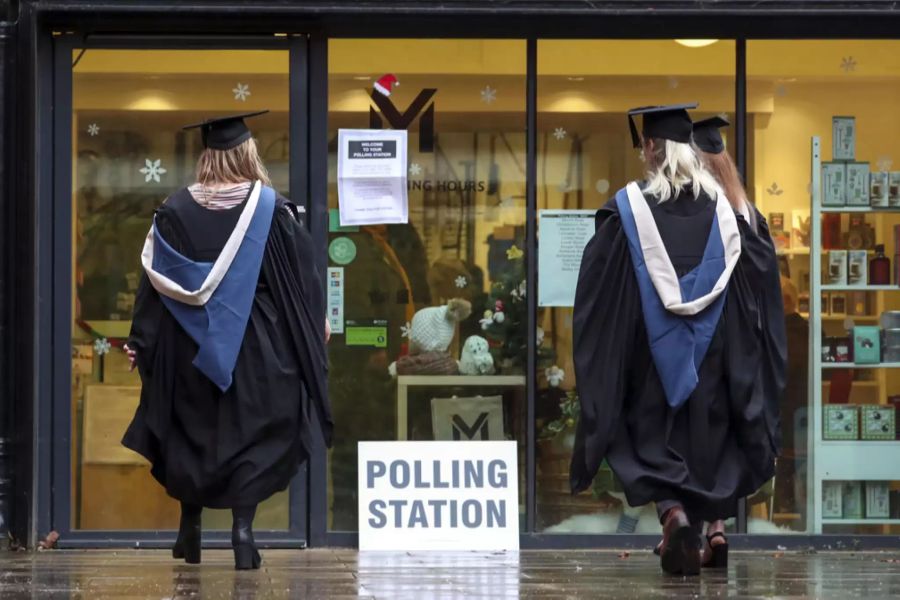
point(225, 133)
point(707, 135)
point(666, 122)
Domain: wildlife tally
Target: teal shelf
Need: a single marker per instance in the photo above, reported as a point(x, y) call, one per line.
point(890, 365)
point(860, 521)
point(860, 288)
point(862, 209)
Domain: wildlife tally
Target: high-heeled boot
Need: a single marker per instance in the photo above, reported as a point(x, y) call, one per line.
point(187, 544)
point(246, 556)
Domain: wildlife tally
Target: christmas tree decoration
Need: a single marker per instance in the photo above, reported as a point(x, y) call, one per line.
point(241, 91)
point(488, 94)
point(404, 330)
point(514, 253)
point(386, 83)
point(152, 170)
point(554, 376)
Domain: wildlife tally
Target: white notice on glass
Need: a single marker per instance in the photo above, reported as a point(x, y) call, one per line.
point(563, 236)
point(372, 176)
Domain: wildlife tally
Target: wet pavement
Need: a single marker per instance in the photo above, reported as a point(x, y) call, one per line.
point(528, 574)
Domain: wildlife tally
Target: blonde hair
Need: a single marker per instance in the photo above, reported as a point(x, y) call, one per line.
point(672, 166)
point(235, 165)
point(725, 171)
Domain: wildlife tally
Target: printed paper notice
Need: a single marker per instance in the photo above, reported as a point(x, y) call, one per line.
point(563, 236)
point(335, 296)
point(372, 177)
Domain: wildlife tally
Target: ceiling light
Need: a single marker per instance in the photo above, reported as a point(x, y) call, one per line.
point(696, 43)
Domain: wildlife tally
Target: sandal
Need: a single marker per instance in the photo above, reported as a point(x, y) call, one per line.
point(717, 558)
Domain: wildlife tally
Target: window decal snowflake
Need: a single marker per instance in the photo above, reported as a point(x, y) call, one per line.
point(93, 130)
point(241, 91)
point(559, 133)
point(415, 169)
point(488, 94)
point(461, 282)
point(152, 170)
point(102, 346)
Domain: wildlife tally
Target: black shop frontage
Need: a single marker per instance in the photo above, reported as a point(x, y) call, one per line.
point(515, 113)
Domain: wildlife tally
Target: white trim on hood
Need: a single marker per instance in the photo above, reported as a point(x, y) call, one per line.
point(201, 296)
point(659, 265)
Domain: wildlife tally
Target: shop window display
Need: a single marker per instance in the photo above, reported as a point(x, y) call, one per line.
point(129, 153)
point(444, 293)
point(837, 471)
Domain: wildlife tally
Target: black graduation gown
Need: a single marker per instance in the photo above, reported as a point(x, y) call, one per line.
point(722, 442)
point(239, 447)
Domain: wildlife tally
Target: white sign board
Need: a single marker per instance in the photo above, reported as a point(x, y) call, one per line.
point(438, 496)
point(372, 176)
point(563, 236)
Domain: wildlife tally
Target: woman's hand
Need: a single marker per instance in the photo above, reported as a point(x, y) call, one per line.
point(327, 330)
point(132, 356)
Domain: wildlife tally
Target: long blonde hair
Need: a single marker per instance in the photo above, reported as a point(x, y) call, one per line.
point(672, 166)
point(235, 165)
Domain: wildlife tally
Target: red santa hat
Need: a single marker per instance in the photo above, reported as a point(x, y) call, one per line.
point(385, 83)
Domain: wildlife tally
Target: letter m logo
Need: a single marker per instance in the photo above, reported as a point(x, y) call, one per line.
point(480, 426)
point(422, 107)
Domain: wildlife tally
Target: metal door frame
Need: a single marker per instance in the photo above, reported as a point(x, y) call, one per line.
point(54, 246)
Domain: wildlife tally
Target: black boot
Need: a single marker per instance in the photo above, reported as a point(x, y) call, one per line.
point(187, 544)
point(246, 556)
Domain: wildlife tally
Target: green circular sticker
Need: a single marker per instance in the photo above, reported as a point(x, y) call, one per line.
point(342, 250)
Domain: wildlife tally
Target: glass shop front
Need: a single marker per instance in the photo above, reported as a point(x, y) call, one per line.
point(820, 149)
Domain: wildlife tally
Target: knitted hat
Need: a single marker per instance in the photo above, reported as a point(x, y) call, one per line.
point(432, 328)
point(385, 83)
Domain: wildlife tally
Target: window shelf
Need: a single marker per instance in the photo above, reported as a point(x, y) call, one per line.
point(860, 288)
point(860, 521)
point(847, 365)
point(863, 209)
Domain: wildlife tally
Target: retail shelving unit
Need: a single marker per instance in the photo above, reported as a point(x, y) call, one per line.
point(850, 460)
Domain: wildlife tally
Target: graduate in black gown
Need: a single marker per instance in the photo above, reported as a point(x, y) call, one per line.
point(678, 344)
point(229, 338)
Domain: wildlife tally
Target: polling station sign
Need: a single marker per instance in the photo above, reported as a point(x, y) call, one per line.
point(438, 496)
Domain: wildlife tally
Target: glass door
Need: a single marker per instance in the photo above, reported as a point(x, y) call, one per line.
point(128, 153)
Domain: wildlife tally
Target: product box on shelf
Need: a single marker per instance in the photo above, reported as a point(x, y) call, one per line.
point(843, 138)
point(826, 304)
point(890, 351)
point(831, 500)
point(837, 267)
point(834, 184)
point(838, 304)
point(895, 402)
point(878, 189)
point(857, 184)
point(878, 500)
point(895, 504)
point(878, 422)
point(857, 303)
point(780, 237)
point(894, 188)
point(852, 499)
point(841, 422)
point(866, 345)
point(857, 267)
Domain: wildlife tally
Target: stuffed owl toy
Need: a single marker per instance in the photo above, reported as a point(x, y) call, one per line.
point(476, 357)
